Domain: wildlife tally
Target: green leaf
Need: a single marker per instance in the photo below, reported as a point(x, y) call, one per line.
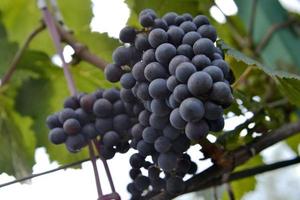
point(281, 52)
point(17, 142)
point(241, 187)
point(289, 84)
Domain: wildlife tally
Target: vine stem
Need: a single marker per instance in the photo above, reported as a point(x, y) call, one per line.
point(70, 82)
point(13, 66)
point(243, 77)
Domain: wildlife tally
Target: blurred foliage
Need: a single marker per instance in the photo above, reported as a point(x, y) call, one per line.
point(267, 85)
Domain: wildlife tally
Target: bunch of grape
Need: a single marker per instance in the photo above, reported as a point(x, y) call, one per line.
point(183, 82)
point(101, 116)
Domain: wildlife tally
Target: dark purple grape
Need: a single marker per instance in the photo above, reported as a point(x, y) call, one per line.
point(191, 109)
point(157, 37)
point(158, 122)
point(200, 20)
point(127, 81)
point(204, 46)
point(197, 130)
point(141, 42)
point(223, 66)
point(138, 71)
point(216, 125)
point(172, 83)
point(111, 95)
point(141, 182)
point(52, 121)
point(127, 96)
point(175, 35)
point(136, 161)
point(160, 23)
point(175, 185)
point(90, 131)
point(181, 92)
point(190, 38)
point(103, 125)
point(176, 119)
point(167, 161)
point(175, 62)
point(75, 142)
point(162, 144)
point(187, 17)
point(72, 126)
point(165, 52)
point(71, 102)
point(153, 172)
point(133, 173)
point(102, 108)
point(144, 117)
point(113, 72)
point(144, 148)
point(171, 132)
point(111, 138)
point(150, 134)
point(170, 18)
point(186, 50)
point(118, 107)
point(200, 83)
point(158, 89)
point(201, 61)
point(87, 102)
point(188, 26)
point(221, 93)
point(121, 55)
point(212, 111)
point(146, 20)
point(208, 31)
point(184, 71)
point(149, 56)
point(159, 107)
point(155, 70)
point(181, 144)
point(65, 114)
point(127, 34)
point(57, 136)
point(143, 91)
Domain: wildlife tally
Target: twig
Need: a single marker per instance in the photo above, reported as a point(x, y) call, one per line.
point(251, 22)
point(96, 174)
point(81, 50)
point(243, 77)
point(230, 191)
point(7, 76)
point(266, 38)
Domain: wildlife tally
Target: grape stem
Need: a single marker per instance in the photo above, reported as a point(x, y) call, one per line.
point(13, 66)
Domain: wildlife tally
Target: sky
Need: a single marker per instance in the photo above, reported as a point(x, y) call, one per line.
point(80, 184)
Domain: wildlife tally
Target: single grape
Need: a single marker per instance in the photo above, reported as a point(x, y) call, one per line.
point(160, 23)
point(65, 114)
point(150, 134)
point(143, 91)
point(188, 26)
point(137, 130)
point(175, 185)
point(52, 121)
point(72, 126)
point(216, 125)
point(75, 142)
point(127, 81)
point(190, 38)
point(149, 56)
point(71, 102)
point(144, 117)
point(136, 161)
point(82, 116)
point(172, 83)
point(138, 71)
point(103, 125)
point(221, 93)
point(121, 55)
point(200, 83)
point(200, 20)
point(118, 107)
point(212, 111)
point(148, 11)
point(184, 71)
point(167, 161)
point(165, 52)
point(191, 109)
point(127, 34)
point(141, 182)
point(208, 31)
point(155, 70)
point(121, 123)
point(204, 46)
point(133, 173)
point(179, 19)
point(102, 108)
point(196, 130)
point(87, 102)
point(158, 122)
point(193, 168)
point(175, 62)
point(89, 130)
point(57, 136)
point(176, 119)
point(111, 95)
point(157, 37)
point(159, 107)
point(111, 138)
point(201, 61)
point(181, 92)
point(183, 166)
point(222, 65)
point(170, 18)
point(107, 152)
point(153, 172)
point(181, 144)
point(113, 72)
point(146, 20)
point(158, 89)
point(127, 96)
point(172, 102)
point(162, 144)
point(186, 50)
point(175, 35)
point(144, 148)
point(123, 147)
point(141, 42)
point(171, 132)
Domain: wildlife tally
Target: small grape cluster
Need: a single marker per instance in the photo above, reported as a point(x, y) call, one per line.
point(101, 116)
point(174, 69)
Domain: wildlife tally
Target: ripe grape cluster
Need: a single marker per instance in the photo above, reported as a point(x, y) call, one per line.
point(101, 116)
point(174, 69)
